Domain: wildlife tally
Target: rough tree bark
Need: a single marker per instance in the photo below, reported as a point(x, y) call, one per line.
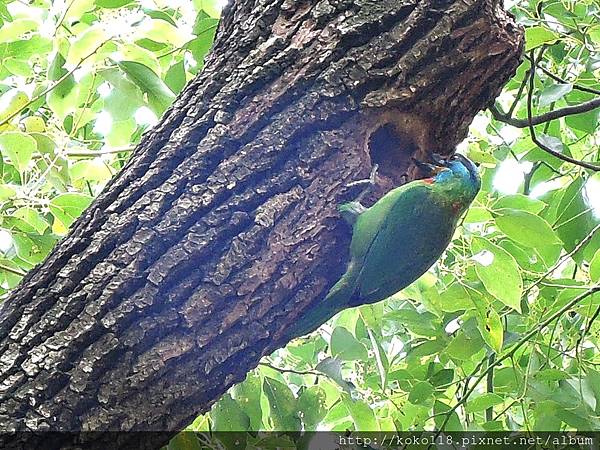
point(222, 229)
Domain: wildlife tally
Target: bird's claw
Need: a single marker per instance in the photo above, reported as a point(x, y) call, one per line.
point(370, 182)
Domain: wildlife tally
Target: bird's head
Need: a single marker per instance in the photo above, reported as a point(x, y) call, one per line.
point(464, 168)
point(456, 170)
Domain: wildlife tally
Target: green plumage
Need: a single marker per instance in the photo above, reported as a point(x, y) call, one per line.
point(397, 239)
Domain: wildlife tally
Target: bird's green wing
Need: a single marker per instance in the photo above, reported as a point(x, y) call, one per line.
point(401, 239)
point(369, 223)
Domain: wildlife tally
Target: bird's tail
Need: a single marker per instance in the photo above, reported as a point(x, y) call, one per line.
point(338, 298)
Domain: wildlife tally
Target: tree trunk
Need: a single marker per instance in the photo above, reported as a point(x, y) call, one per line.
point(222, 230)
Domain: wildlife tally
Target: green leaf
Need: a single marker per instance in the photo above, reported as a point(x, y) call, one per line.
point(248, 395)
point(305, 351)
point(77, 9)
point(545, 415)
point(455, 298)
point(575, 221)
point(112, 3)
point(159, 95)
point(421, 393)
point(162, 31)
point(333, 369)
point(362, 415)
point(161, 15)
point(17, 28)
point(19, 147)
point(344, 346)
point(551, 375)
point(538, 35)
point(478, 214)
point(479, 156)
point(68, 207)
point(33, 248)
point(91, 170)
point(499, 272)
point(61, 99)
point(211, 7)
point(7, 192)
point(553, 93)
point(490, 327)
point(519, 201)
point(184, 441)
point(227, 415)
point(17, 67)
point(175, 77)
point(526, 228)
point(200, 46)
point(26, 48)
point(420, 323)
point(33, 219)
point(283, 405)
point(440, 410)
point(11, 102)
point(586, 122)
point(442, 378)
point(84, 45)
point(380, 357)
point(4, 13)
point(595, 267)
point(311, 407)
point(483, 402)
point(34, 124)
point(121, 133)
point(56, 71)
point(464, 346)
point(123, 103)
point(593, 380)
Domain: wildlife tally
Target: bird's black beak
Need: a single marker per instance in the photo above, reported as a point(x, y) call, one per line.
point(430, 169)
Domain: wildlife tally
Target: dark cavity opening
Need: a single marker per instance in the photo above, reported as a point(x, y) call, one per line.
point(391, 150)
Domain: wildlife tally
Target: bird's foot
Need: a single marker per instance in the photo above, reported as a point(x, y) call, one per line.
point(350, 211)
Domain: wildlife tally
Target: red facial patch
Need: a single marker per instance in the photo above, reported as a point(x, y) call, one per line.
point(429, 180)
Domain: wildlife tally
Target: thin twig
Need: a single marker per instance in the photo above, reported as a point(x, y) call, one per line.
point(50, 88)
point(587, 329)
point(512, 108)
point(578, 247)
point(544, 147)
point(297, 372)
point(94, 154)
point(490, 386)
point(578, 87)
point(11, 270)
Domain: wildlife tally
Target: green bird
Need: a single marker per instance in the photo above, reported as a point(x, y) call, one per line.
point(399, 238)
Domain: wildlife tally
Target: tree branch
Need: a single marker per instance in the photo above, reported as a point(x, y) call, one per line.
point(546, 117)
